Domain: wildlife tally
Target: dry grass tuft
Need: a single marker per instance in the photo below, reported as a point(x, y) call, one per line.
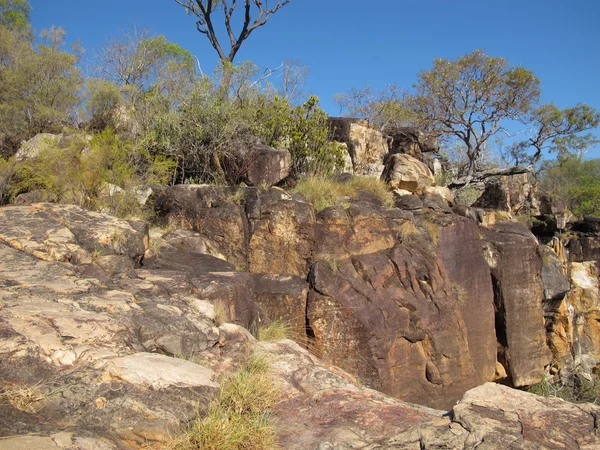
point(324, 192)
point(29, 399)
point(240, 417)
point(278, 330)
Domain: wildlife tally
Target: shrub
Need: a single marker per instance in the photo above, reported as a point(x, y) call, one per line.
point(578, 389)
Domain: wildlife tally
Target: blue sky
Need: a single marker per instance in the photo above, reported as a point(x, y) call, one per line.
point(352, 43)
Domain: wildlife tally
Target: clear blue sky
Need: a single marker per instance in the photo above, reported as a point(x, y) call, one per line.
point(352, 43)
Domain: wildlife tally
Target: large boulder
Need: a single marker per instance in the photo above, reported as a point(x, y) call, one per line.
point(516, 266)
point(367, 146)
point(269, 166)
point(512, 193)
point(405, 172)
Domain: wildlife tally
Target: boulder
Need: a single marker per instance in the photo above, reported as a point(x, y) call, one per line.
point(365, 145)
point(499, 417)
point(269, 166)
point(68, 233)
point(410, 202)
point(40, 142)
point(512, 193)
point(442, 192)
point(412, 141)
point(516, 266)
point(405, 172)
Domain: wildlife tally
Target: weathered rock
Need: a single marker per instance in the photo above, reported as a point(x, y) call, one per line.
point(35, 145)
point(512, 254)
point(365, 145)
point(282, 234)
point(442, 192)
point(283, 297)
point(408, 340)
point(269, 166)
point(512, 193)
point(410, 202)
point(150, 370)
point(499, 417)
point(460, 249)
point(405, 172)
point(359, 229)
point(69, 233)
point(554, 281)
point(412, 141)
point(211, 211)
point(584, 248)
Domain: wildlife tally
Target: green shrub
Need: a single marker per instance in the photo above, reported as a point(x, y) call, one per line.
point(7, 169)
point(579, 389)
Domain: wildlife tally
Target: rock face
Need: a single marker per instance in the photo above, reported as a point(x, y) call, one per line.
point(269, 166)
point(366, 146)
point(405, 172)
point(514, 194)
point(512, 254)
point(123, 341)
point(412, 141)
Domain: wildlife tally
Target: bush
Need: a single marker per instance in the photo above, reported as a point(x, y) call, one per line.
point(324, 192)
point(578, 389)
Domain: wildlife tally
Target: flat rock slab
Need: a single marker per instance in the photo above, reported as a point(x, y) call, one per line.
point(155, 371)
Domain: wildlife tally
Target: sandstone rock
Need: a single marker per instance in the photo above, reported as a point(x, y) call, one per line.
point(442, 192)
point(513, 257)
point(412, 141)
point(584, 248)
point(212, 212)
point(269, 166)
point(68, 233)
point(282, 234)
point(554, 281)
point(460, 250)
point(31, 148)
point(512, 193)
point(365, 145)
point(410, 202)
point(360, 229)
point(283, 297)
point(500, 417)
point(402, 316)
point(405, 172)
point(151, 370)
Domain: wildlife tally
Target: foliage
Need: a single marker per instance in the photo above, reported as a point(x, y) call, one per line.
point(39, 86)
point(471, 98)
point(577, 182)
point(240, 417)
point(383, 109)
point(579, 389)
point(7, 169)
point(324, 192)
point(14, 15)
point(104, 99)
point(95, 175)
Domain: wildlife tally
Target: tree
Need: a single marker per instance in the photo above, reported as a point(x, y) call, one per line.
point(14, 15)
point(204, 11)
point(154, 76)
point(471, 99)
point(477, 98)
point(383, 109)
point(39, 86)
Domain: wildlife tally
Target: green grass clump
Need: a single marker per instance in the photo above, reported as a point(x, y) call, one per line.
point(240, 417)
point(278, 330)
point(324, 192)
point(577, 390)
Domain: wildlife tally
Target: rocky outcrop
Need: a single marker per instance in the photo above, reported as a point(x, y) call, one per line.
point(514, 193)
point(366, 146)
point(412, 141)
point(512, 254)
point(405, 172)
